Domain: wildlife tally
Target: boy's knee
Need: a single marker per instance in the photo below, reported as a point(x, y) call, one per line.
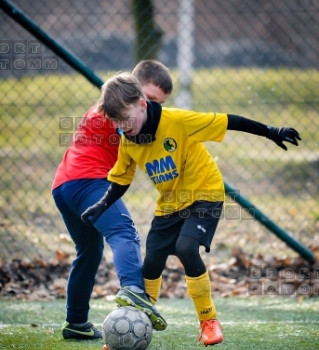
point(186, 249)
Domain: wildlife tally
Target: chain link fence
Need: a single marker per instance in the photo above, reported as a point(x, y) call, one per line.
point(256, 59)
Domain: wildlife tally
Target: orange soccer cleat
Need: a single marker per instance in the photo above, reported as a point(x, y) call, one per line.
point(211, 332)
point(105, 347)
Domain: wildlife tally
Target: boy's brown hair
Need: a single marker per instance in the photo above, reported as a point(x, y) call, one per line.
point(118, 94)
point(154, 72)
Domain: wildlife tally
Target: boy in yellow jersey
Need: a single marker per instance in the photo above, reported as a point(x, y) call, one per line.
point(167, 144)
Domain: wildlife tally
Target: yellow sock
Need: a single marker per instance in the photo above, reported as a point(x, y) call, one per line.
point(153, 288)
point(199, 289)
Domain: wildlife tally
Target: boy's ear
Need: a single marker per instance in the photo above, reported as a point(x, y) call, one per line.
point(143, 103)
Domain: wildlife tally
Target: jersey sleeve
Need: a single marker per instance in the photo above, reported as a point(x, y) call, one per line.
point(124, 169)
point(203, 127)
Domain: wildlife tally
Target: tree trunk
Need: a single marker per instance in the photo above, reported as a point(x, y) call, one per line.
point(148, 35)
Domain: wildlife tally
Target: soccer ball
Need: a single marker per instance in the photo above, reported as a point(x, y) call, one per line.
point(127, 328)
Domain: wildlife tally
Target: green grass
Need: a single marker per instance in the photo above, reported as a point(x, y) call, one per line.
point(32, 106)
point(272, 95)
point(256, 323)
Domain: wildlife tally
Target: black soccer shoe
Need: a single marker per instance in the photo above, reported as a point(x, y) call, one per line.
point(141, 301)
point(86, 332)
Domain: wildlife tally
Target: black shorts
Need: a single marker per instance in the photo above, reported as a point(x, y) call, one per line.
point(199, 220)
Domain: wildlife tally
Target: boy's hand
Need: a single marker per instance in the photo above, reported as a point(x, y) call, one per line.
point(278, 135)
point(92, 213)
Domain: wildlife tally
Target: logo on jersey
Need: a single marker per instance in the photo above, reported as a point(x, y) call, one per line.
point(170, 144)
point(161, 170)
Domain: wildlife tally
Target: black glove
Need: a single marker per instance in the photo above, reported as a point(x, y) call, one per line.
point(113, 193)
point(92, 213)
point(278, 135)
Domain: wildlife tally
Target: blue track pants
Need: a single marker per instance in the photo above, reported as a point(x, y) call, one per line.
point(115, 225)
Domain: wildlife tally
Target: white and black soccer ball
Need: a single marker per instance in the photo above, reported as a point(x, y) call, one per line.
point(127, 328)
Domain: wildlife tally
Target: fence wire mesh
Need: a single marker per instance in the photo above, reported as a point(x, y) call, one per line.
point(257, 59)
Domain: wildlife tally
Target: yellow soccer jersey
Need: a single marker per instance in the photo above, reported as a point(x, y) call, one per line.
point(177, 162)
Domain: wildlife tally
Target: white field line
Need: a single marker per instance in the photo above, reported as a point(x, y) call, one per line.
point(266, 322)
point(251, 323)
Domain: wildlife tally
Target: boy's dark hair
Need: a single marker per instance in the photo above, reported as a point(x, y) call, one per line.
point(154, 72)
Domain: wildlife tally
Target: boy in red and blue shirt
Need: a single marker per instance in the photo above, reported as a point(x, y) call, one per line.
point(80, 180)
